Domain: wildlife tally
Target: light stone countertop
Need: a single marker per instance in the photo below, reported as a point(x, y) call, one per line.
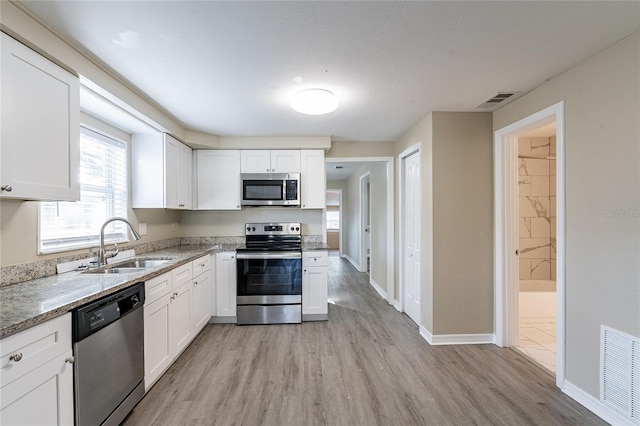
point(28, 303)
point(314, 246)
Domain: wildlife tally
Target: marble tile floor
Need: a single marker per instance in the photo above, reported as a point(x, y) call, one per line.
point(538, 342)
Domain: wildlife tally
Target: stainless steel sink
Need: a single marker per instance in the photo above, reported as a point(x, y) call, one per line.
point(131, 266)
point(119, 270)
point(142, 263)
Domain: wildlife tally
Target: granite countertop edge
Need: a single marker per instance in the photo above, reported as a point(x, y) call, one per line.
point(24, 305)
point(314, 246)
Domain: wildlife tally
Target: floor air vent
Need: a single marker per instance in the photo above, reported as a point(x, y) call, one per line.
point(620, 373)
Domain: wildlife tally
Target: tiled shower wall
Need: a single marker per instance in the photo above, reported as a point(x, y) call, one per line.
point(537, 208)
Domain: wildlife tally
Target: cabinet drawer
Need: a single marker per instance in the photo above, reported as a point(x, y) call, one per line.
point(157, 287)
point(182, 274)
point(29, 349)
point(315, 258)
point(201, 265)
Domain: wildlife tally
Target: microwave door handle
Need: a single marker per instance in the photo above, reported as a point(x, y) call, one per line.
point(269, 255)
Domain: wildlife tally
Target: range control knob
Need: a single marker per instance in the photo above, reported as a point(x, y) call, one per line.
point(297, 228)
point(253, 228)
point(248, 228)
point(292, 228)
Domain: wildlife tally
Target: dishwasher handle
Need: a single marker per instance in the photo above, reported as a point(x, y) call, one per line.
point(97, 315)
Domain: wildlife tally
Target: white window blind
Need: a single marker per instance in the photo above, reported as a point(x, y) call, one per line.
point(103, 194)
point(333, 218)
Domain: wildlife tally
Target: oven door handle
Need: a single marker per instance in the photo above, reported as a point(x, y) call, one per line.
point(269, 255)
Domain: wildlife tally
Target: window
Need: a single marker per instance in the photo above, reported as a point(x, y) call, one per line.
point(103, 194)
point(333, 218)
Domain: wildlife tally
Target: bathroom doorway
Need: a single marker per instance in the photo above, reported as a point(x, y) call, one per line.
point(537, 245)
point(507, 223)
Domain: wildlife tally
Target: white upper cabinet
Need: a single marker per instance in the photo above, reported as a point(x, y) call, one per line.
point(161, 172)
point(275, 161)
point(218, 180)
point(312, 178)
point(40, 122)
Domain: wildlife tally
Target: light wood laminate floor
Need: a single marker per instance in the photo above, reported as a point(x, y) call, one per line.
point(366, 366)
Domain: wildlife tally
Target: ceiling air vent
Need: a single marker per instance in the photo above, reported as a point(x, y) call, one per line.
point(498, 99)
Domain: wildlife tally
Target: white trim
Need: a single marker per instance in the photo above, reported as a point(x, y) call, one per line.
point(390, 214)
point(594, 405)
point(506, 231)
point(426, 334)
point(396, 304)
point(364, 178)
point(377, 288)
point(457, 339)
point(351, 261)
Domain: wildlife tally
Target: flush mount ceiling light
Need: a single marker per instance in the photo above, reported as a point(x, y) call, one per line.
point(314, 102)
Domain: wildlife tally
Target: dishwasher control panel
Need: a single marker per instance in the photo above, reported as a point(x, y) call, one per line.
point(98, 314)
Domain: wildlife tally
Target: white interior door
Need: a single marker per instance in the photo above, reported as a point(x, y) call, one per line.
point(411, 237)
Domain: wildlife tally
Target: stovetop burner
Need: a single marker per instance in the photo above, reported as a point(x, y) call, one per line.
point(272, 237)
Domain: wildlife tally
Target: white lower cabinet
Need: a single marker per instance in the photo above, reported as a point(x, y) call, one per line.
point(174, 314)
point(315, 292)
point(180, 330)
point(36, 375)
point(226, 287)
point(158, 354)
point(201, 293)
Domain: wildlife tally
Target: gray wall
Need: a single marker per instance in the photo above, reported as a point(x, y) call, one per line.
point(602, 134)
point(456, 221)
point(462, 223)
point(351, 218)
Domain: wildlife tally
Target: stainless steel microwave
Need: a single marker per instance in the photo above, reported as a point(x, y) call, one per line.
point(270, 189)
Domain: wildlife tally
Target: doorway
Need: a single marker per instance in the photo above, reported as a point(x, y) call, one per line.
point(333, 222)
point(536, 245)
point(507, 227)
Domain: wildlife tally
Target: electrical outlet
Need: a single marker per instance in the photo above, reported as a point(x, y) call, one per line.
point(142, 228)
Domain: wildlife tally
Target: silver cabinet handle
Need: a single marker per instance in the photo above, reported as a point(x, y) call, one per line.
point(16, 357)
point(195, 283)
point(70, 360)
point(7, 188)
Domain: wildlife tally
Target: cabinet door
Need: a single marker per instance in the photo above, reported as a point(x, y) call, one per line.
point(314, 291)
point(313, 182)
point(44, 396)
point(201, 313)
point(285, 161)
point(157, 349)
point(180, 331)
point(218, 175)
point(226, 284)
point(40, 127)
point(177, 175)
point(255, 161)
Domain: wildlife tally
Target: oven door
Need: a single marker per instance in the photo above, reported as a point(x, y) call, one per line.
point(268, 278)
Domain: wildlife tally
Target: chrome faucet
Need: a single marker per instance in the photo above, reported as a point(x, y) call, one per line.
point(103, 255)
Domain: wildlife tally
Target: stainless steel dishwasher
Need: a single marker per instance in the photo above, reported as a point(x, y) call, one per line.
point(108, 337)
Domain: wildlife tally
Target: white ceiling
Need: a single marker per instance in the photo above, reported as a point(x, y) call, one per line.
point(227, 68)
point(340, 171)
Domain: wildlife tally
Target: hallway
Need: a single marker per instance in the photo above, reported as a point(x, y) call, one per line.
point(367, 365)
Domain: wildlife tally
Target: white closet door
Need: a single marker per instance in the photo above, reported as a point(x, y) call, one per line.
point(411, 218)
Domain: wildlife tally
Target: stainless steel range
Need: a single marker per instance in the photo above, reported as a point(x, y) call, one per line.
point(269, 274)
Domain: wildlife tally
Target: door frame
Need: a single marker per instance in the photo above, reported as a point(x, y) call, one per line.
point(365, 198)
point(506, 230)
point(390, 213)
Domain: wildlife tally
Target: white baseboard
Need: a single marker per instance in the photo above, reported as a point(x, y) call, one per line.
point(594, 405)
point(353, 262)
point(379, 289)
point(457, 339)
point(396, 304)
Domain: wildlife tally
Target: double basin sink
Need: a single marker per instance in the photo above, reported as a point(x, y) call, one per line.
point(131, 266)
